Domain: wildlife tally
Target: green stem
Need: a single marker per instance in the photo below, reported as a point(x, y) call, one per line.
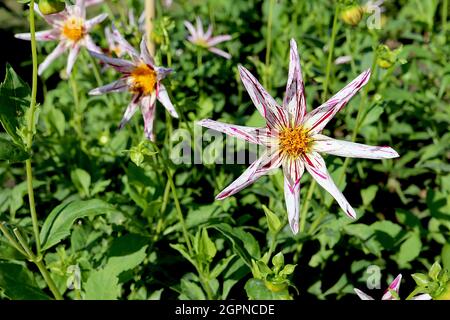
point(305, 207)
point(444, 15)
point(268, 45)
point(76, 100)
point(96, 70)
point(30, 129)
point(11, 239)
point(330, 53)
point(175, 198)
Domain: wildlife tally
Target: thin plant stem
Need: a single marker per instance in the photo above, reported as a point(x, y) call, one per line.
point(11, 239)
point(305, 207)
point(444, 15)
point(268, 44)
point(330, 53)
point(30, 130)
point(76, 100)
point(97, 76)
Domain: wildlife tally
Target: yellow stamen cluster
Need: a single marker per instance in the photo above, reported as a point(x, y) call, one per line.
point(294, 141)
point(201, 43)
point(143, 80)
point(73, 29)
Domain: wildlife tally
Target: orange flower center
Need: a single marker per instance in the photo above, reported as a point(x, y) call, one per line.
point(143, 79)
point(294, 141)
point(73, 29)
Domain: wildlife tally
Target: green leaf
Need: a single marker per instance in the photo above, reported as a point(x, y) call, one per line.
point(410, 249)
point(273, 221)
point(59, 222)
point(369, 194)
point(446, 256)
point(12, 152)
point(435, 270)
point(181, 249)
point(82, 181)
point(18, 283)
point(57, 120)
point(421, 279)
point(221, 266)
point(257, 290)
point(207, 246)
point(14, 103)
point(102, 285)
point(278, 260)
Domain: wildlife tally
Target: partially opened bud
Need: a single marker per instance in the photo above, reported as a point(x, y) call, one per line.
point(51, 6)
point(352, 15)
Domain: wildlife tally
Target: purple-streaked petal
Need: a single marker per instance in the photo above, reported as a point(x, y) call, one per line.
point(199, 28)
point(221, 53)
point(73, 54)
point(208, 33)
point(148, 113)
point(219, 39)
point(60, 48)
point(47, 35)
point(294, 99)
point(162, 72)
point(424, 296)
point(96, 20)
point(267, 162)
point(121, 65)
point(131, 110)
point(350, 149)
point(191, 29)
point(124, 44)
point(317, 119)
point(163, 97)
point(79, 9)
point(263, 101)
point(316, 166)
point(116, 86)
point(145, 54)
point(245, 133)
point(394, 286)
point(293, 170)
point(362, 295)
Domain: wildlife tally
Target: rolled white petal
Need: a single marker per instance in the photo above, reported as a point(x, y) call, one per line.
point(294, 98)
point(145, 54)
point(275, 116)
point(208, 33)
point(124, 44)
point(47, 35)
point(148, 113)
point(60, 48)
point(424, 296)
point(351, 149)
point(199, 28)
point(317, 119)
point(293, 170)
point(73, 54)
point(245, 133)
point(221, 53)
point(219, 39)
point(266, 163)
point(130, 110)
point(96, 20)
point(90, 45)
point(316, 166)
point(362, 295)
point(163, 97)
point(121, 65)
point(191, 29)
point(89, 3)
point(116, 86)
point(394, 286)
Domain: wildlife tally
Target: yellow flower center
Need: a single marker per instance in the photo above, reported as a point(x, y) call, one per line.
point(73, 29)
point(143, 80)
point(201, 43)
point(294, 141)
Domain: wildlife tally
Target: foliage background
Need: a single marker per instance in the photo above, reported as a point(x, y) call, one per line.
point(131, 249)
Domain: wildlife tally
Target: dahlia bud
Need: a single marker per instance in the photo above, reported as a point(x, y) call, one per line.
point(51, 6)
point(352, 15)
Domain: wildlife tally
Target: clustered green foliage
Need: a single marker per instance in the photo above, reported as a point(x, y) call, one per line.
point(109, 227)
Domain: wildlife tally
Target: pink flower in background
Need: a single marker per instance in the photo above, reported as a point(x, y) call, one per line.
point(205, 39)
point(71, 29)
point(141, 78)
point(113, 45)
point(394, 287)
point(293, 138)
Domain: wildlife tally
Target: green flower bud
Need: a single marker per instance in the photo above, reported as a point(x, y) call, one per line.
point(51, 6)
point(352, 15)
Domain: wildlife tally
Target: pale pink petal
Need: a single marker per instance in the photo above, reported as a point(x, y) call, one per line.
point(47, 35)
point(148, 113)
point(191, 29)
point(73, 54)
point(267, 162)
point(90, 45)
point(219, 39)
point(116, 86)
point(200, 32)
point(293, 170)
point(245, 133)
point(221, 53)
point(124, 44)
point(294, 99)
point(79, 8)
point(162, 72)
point(96, 20)
point(350, 149)
point(317, 119)
point(131, 110)
point(121, 65)
point(267, 106)
point(89, 3)
point(53, 19)
point(145, 54)
point(394, 286)
point(316, 166)
point(209, 32)
point(163, 97)
point(362, 295)
point(424, 296)
point(60, 48)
